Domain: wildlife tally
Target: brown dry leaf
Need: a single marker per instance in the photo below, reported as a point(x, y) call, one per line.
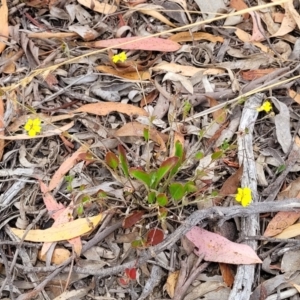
point(245, 37)
point(294, 95)
point(137, 129)
point(239, 5)
point(1, 128)
point(186, 70)
point(195, 36)
point(3, 24)
point(281, 221)
point(288, 23)
point(289, 232)
point(52, 132)
point(227, 274)
point(171, 283)
point(254, 74)
point(64, 232)
point(37, 3)
point(296, 286)
point(230, 185)
point(65, 167)
point(102, 8)
point(10, 67)
point(149, 98)
point(284, 219)
point(218, 115)
point(257, 29)
point(141, 75)
point(52, 35)
point(137, 43)
point(277, 17)
point(59, 256)
point(104, 108)
point(157, 15)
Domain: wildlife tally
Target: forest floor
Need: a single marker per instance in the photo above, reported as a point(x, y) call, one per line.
point(149, 150)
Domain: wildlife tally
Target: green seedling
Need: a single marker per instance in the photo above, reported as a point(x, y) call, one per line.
point(69, 179)
point(112, 160)
point(123, 160)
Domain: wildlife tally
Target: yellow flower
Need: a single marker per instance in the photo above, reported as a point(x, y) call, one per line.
point(33, 126)
point(119, 57)
point(244, 196)
point(267, 106)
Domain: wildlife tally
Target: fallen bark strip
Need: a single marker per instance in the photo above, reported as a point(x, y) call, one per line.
point(214, 213)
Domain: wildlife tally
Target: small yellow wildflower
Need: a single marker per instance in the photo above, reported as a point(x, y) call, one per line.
point(244, 196)
point(267, 106)
point(119, 57)
point(33, 126)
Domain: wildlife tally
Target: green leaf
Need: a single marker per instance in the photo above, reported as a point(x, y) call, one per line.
point(112, 160)
point(85, 199)
point(199, 155)
point(141, 175)
point(165, 167)
point(225, 145)
point(177, 191)
point(101, 194)
point(214, 193)
point(123, 159)
point(179, 152)
point(146, 134)
point(190, 187)
point(137, 244)
point(162, 199)
point(280, 169)
point(151, 197)
point(216, 155)
point(80, 210)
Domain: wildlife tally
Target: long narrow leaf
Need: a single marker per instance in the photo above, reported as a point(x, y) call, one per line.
point(141, 175)
point(165, 167)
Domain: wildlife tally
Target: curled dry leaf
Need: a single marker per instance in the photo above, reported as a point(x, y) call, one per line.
point(137, 129)
point(133, 219)
point(218, 115)
point(48, 133)
point(3, 24)
point(61, 215)
point(65, 167)
point(104, 108)
point(195, 36)
point(255, 74)
point(140, 75)
point(288, 23)
point(185, 70)
point(103, 8)
point(59, 256)
point(137, 43)
point(219, 249)
point(171, 283)
point(64, 232)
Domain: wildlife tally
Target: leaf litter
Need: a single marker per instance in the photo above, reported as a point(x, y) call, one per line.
point(131, 153)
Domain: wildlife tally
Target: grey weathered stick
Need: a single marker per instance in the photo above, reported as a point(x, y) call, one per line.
point(249, 226)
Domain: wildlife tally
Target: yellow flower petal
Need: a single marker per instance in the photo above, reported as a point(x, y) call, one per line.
point(33, 126)
point(244, 196)
point(31, 132)
point(267, 106)
point(28, 125)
